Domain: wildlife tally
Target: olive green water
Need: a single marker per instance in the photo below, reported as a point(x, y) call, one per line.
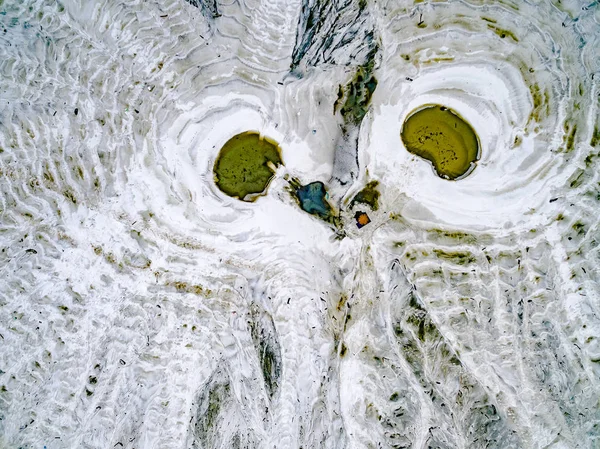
point(442, 137)
point(246, 165)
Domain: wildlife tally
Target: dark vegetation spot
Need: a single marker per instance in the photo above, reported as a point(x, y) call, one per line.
point(570, 137)
point(576, 179)
point(459, 258)
point(369, 195)
point(358, 92)
point(595, 137)
point(264, 337)
point(209, 7)
point(184, 287)
point(338, 101)
point(70, 196)
point(213, 399)
point(503, 33)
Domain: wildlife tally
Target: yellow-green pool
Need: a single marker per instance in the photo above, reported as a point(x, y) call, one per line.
point(246, 164)
point(441, 136)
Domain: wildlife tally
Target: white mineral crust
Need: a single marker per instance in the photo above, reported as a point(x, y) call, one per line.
point(141, 307)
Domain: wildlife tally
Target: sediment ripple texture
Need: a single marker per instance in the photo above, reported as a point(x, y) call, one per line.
point(140, 307)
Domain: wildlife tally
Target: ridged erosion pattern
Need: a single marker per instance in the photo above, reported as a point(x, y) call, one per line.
point(327, 285)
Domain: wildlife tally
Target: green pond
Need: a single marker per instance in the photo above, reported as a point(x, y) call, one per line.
point(441, 136)
point(246, 164)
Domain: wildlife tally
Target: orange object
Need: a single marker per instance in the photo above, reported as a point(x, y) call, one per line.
point(362, 219)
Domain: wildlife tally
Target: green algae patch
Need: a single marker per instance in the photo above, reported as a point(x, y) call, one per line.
point(246, 164)
point(354, 99)
point(503, 33)
point(442, 137)
point(369, 195)
point(595, 137)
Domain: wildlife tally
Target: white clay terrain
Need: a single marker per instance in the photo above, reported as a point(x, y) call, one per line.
point(141, 308)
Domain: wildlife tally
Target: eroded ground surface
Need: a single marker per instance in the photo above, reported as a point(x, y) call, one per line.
point(141, 307)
